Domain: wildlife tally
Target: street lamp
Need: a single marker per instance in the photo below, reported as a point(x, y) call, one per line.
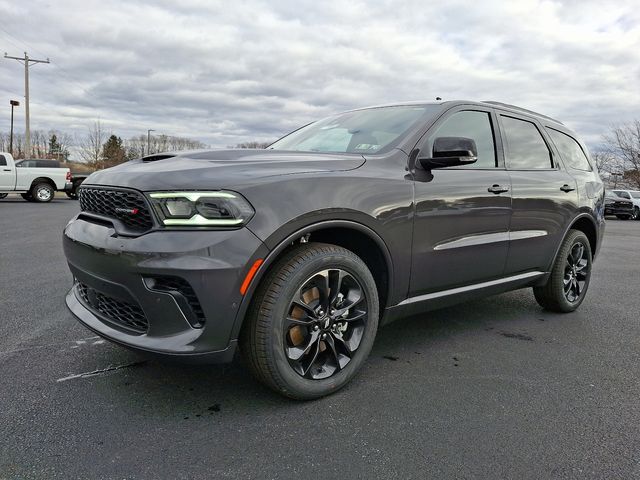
point(14, 103)
point(149, 140)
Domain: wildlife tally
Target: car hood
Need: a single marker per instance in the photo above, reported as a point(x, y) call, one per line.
point(218, 168)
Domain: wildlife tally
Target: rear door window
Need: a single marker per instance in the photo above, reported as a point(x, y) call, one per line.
point(525, 149)
point(3, 161)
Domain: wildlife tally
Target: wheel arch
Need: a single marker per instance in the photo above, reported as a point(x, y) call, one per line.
point(353, 236)
point(585, 223)
point(38, 180)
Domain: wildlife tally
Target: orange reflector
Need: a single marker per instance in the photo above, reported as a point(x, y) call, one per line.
point(252, 271)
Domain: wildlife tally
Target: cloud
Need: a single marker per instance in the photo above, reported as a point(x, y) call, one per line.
point(228, 72)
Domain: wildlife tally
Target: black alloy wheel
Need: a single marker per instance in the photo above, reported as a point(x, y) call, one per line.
point(569, 278)
point(576, 272)
point(325, 323)
point(312, 321)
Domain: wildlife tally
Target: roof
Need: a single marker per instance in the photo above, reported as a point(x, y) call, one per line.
point(487, 103)
point(520, 109)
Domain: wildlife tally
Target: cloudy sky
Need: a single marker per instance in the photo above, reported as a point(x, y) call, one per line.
point(225, 72)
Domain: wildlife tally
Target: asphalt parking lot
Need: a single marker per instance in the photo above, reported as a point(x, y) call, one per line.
point(496, 388)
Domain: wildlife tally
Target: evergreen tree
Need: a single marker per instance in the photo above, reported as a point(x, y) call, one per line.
point(113, 153)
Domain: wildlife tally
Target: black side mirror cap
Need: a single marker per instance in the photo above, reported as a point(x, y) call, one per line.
point(450, 152)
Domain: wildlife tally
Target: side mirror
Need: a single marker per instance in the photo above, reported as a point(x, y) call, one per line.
point(450, 152)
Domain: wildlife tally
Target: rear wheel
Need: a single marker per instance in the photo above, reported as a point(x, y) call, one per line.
point(42, 193)
point(312, 322)
point(569, 280)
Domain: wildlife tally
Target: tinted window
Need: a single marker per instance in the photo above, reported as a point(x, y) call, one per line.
point(635, 194)
point(570, 150)
point(525, 147)
point(476, 126)
point(3, 161)
point(47, 163)
point(622, 194)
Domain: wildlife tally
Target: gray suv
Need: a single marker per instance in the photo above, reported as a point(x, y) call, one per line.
point(299, 252)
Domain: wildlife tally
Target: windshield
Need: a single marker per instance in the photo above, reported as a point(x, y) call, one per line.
point(361, 131)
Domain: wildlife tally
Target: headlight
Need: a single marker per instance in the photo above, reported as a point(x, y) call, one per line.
point(201, 209)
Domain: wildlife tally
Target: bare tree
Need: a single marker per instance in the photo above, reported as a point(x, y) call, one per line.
point(623, 144)
point(90, 146)
point(253, 144)
point(136, 146)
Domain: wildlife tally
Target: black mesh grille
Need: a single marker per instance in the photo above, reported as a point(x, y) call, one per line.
point(127, 206)
point(181, 286)
point(126, 314)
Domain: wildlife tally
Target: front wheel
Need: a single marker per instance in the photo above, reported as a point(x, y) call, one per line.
point(312, 321)
point(569, 280)
point(636, 214)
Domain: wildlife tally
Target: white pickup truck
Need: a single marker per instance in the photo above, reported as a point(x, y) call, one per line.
point(34, 184)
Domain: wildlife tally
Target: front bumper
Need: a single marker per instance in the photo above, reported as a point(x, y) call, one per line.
point(614, 210)
point(120, 269)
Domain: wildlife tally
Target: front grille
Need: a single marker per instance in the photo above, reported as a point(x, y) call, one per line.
point(119, 312)
point(182, 287)
point(622, 204)
point(128, 206)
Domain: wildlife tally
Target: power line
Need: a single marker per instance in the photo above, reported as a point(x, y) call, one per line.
point(27, 62)
point(67, 74)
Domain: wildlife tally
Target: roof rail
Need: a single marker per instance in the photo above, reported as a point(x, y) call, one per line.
point(513, 107)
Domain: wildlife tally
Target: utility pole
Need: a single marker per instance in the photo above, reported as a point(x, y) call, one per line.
point(149, 140)
point(26, 61)
point(14, 103)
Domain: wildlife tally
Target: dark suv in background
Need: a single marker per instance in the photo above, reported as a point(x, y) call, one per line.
point(299, 252)
point(618, 206)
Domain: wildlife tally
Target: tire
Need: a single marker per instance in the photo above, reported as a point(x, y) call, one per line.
point(623, 217)
point(267, 341)
point(636, 214)
point(3, 195)
point(553, 295)
point(42, 193)
point(72, 195)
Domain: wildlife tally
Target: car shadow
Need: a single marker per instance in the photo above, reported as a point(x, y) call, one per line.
point(195, 391)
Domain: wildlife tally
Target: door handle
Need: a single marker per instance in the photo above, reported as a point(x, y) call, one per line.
point(498, 189)
point(6, 169)
point(567, 188)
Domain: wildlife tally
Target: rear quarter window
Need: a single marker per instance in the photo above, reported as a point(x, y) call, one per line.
point(3, 161)
point(570, 150)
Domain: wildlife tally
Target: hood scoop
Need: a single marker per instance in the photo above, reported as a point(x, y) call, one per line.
point(153, 158)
